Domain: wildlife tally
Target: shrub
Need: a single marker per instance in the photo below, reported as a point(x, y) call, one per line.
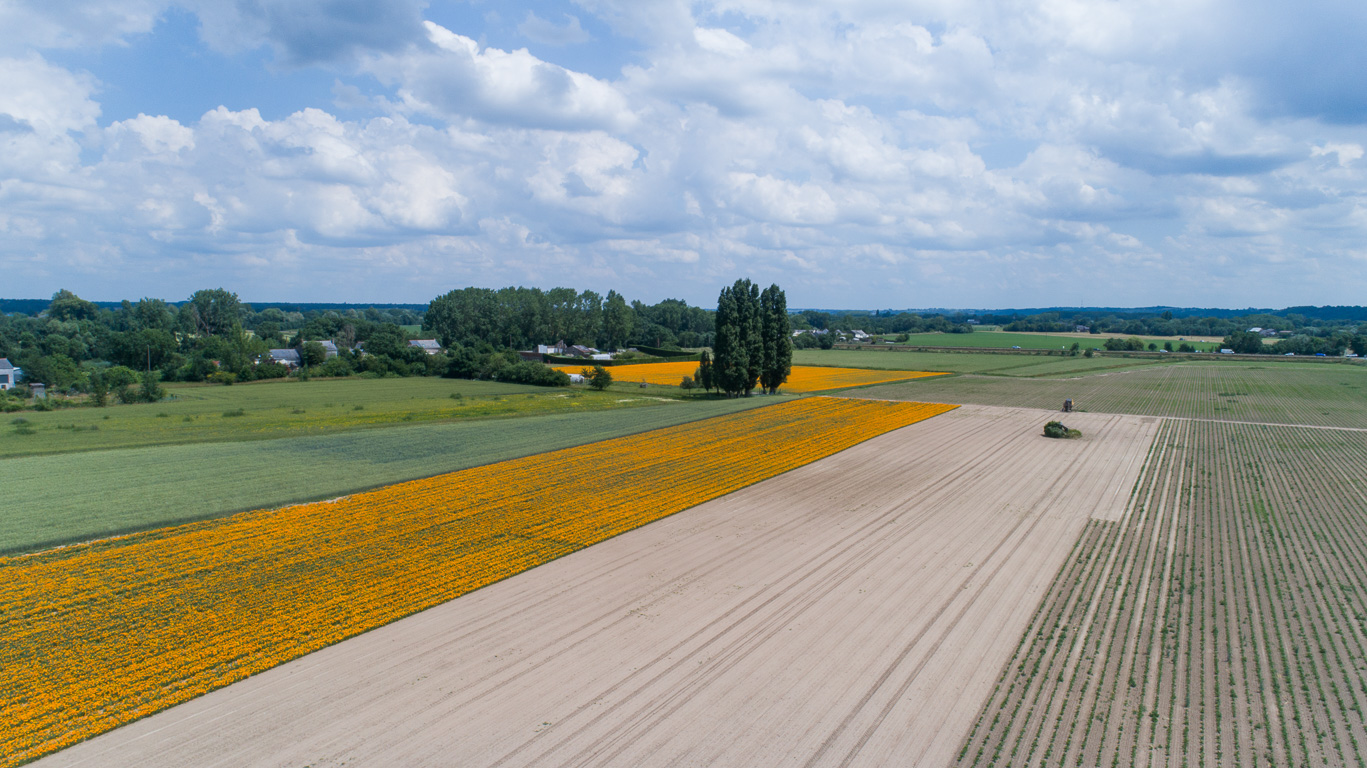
point(335, 366)
point(225, 378)
point(599, 378)
point(270, 371)
point(1056, 429)
point(233, 413)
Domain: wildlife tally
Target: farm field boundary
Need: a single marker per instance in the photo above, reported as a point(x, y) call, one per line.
point(1323, 395)
point(854, 611)
point(107, 493)
point(1220, 622)
point(800, 379)
point(94, 636)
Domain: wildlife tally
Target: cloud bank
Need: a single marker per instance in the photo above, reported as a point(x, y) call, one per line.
point(860, 153)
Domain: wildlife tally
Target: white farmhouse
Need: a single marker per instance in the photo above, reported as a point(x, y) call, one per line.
point(9, 375)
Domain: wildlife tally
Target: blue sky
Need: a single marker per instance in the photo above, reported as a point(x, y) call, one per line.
point(861, 154)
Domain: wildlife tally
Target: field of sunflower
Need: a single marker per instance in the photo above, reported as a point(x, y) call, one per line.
point(97, 635)
point(803, 378)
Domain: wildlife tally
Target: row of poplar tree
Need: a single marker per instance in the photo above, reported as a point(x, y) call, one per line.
point(754, 341)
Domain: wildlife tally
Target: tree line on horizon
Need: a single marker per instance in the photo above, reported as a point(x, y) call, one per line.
point(74, 345)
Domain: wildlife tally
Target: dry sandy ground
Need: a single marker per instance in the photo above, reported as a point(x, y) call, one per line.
point(853, 612)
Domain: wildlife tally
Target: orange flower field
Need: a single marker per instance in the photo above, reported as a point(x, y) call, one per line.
point(803, 378)
point(96, 635)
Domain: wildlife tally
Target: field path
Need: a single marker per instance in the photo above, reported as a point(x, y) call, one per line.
point(855, 611)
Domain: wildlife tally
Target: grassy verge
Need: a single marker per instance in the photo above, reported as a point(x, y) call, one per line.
point(58, 499)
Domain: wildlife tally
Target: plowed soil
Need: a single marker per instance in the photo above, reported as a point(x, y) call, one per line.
point(1220, 622)
point(855, 611)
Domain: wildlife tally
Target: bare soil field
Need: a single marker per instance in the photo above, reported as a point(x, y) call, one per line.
point(1221, 622)
point(1275, 392)
point(855, 611)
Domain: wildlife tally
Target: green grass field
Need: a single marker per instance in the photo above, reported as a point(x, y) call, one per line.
point(1276, 392)
point(985, 363)
point(1008, 339)
point(57, 499)
point(265, 410)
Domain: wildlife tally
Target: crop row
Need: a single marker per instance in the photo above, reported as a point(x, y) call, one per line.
point(1221, 621)
point(96, 635)
point(801, 379)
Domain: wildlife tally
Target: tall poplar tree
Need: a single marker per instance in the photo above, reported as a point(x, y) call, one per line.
point(754, 344)
point(778, 339)
point(704, 373)
point(751, 332)
point(730, 356)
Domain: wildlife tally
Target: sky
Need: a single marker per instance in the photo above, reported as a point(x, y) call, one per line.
point(861, 154)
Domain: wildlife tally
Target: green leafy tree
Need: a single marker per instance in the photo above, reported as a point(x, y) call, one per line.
point(150, 390)
point(115, 380)
point(68, 306)
point(1244, 343)
point(619, 321)
point(99, 389)
point(58, 371)
point(466, 316)
point(599, 378)
point(214, 312)
point(154, 314)
point(465, 364)
point(312, 353)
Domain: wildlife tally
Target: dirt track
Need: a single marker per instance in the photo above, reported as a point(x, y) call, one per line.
point(855, 611)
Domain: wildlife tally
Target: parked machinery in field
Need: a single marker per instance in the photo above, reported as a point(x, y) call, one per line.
point(1068, 405)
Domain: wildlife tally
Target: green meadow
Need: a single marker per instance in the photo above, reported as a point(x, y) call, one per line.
point(75, 496)
point(1008, 339)
point(274, 409)
point(984, 363)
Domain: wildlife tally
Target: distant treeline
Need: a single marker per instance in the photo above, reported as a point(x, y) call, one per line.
point(521, 318)
point(35, 306)
point(878, 322)
point(71, 344)
point(1167, 323)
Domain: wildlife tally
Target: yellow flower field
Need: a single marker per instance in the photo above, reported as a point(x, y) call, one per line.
point(803, 378)
point(96, 635)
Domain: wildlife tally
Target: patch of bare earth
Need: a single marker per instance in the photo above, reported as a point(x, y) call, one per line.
point(856, 611)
